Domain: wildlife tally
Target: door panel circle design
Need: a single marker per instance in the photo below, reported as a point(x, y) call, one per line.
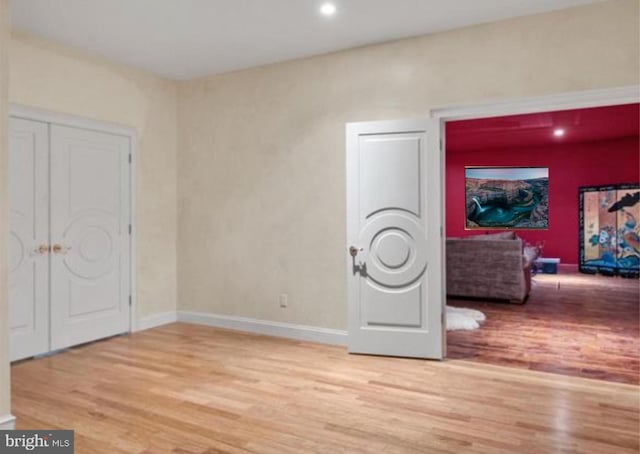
point(20, 240)
point(16, 252)
point(94, 239)
point(395, 249)
point(392, 248)
point(95, 244)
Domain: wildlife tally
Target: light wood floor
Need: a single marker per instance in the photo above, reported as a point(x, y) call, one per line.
point(573, 324)
point(191, 389)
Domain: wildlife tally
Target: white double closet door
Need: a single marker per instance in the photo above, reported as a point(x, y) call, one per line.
point(70, 242)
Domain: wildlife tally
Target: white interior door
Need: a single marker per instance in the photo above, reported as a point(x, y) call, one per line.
point(90, 239)
point(394, 256)
point(29, 238)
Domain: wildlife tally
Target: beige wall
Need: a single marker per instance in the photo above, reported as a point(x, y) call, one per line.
point(5, 404)
point(56, 78)
point(261, 175)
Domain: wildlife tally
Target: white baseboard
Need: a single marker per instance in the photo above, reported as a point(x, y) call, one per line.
point(252, 325)
point(7, 422)
point(155, 320)
point(278, 329)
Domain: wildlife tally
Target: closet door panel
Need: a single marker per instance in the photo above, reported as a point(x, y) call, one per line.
point(90, 283)
point(28, 238)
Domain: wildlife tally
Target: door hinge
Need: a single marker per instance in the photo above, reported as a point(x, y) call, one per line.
point(130, 158)
point(130, 229)
point(441, 145)
point(130, 300)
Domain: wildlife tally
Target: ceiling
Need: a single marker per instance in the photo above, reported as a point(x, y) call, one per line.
point(536, 130)
point(184, 39)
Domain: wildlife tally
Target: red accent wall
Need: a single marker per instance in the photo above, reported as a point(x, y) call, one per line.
point(570, 166)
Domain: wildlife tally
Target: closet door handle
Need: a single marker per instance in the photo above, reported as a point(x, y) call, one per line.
point(43, 249)
point(60, 249)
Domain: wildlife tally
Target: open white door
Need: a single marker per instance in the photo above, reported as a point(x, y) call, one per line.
point(394, 250)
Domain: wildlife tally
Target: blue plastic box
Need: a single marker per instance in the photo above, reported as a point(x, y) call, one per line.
point(548, 266)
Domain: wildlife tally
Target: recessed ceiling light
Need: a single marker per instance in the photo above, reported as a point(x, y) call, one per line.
point(558, 132)
point(328, 9)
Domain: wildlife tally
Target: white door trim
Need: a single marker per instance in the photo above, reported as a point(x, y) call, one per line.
point(513, 106)
point(562, 101)
point(63, 119)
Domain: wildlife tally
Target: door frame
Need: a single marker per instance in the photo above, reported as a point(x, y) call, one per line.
point(514, 106)
point(63, 119)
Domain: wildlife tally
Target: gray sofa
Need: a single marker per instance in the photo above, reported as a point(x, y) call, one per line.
point(488, 268)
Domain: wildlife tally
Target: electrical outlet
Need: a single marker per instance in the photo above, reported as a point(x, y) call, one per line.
point(284, 300)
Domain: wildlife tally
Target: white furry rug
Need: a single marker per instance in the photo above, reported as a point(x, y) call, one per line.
point(459, 318)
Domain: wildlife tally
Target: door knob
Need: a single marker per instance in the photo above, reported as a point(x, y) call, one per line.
point(60, 249)
point(43, 249)
point(354, 251)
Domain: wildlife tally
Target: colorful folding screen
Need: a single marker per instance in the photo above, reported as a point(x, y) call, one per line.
point(610, 230)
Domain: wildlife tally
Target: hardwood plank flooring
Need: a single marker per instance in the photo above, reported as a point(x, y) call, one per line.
point(188, 389)
point(572, 324)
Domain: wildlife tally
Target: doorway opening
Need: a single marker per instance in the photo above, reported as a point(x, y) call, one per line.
point(519, 239)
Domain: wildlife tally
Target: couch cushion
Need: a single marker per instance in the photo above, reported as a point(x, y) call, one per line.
point(490, 269)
